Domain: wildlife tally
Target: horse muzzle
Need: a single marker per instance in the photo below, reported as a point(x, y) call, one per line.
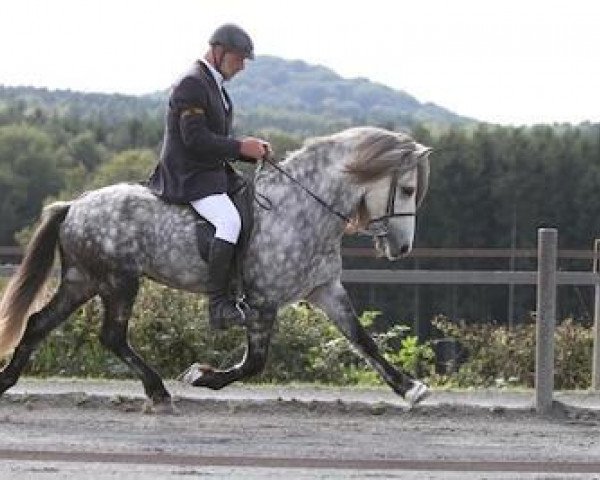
point(392, 249)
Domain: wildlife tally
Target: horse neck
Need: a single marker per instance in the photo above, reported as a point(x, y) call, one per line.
point(321, 174)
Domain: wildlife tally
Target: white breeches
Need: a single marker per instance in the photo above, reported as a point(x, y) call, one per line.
point(219, 210)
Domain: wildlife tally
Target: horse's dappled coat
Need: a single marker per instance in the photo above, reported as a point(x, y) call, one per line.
point(110, 237)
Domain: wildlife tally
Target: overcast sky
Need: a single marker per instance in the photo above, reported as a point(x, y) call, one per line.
point(504, 61)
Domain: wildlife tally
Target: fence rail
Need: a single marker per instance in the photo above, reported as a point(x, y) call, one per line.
point(571, 254)
point(467, 277)
point(439, 277)
point(16, 251)
point(367, 252)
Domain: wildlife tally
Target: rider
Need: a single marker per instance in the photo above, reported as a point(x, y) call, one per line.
point(194, 162)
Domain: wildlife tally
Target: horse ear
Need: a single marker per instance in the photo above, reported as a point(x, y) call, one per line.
point(422, 174)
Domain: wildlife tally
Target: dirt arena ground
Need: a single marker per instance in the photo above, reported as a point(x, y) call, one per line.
point(54, 429)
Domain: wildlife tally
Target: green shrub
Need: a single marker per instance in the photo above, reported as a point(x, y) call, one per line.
point(573, 350)
point(169, 329)
point(497, 356)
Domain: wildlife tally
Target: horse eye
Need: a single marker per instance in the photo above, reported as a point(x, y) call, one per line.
point(408, 191)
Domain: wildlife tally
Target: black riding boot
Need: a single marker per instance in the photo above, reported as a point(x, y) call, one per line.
point(223, 311)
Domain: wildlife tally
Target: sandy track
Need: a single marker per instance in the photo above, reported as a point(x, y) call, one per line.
point(337, 433)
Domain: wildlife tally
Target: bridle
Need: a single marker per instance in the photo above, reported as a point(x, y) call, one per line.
point(380, 226)
point(377, 227)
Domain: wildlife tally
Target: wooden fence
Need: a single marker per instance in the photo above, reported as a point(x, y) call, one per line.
point(12, 254)
point(546, 277)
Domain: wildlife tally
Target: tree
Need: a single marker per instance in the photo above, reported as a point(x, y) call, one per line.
point(126, 166)
point(28, 174)
point(85, 151)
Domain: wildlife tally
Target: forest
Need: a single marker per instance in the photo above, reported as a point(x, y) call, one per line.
point(491, 186)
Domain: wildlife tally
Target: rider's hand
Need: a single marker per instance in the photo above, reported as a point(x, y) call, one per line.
point(254, 148)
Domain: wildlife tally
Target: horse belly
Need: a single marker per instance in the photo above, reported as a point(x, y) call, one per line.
point(177, 261)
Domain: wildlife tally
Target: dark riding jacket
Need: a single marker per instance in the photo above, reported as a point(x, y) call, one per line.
point(196, 150)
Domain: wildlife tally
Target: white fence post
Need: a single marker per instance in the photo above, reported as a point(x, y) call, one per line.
point(546, 319)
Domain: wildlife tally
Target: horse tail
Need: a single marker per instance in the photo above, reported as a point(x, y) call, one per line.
point(26, 284)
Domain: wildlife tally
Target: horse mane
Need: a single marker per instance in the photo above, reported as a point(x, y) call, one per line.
point(374, 153)
point(380, 151)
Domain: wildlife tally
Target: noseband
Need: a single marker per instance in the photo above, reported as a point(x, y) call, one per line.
point(377, 227)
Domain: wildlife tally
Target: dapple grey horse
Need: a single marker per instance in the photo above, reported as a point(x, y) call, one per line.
point(110, 237)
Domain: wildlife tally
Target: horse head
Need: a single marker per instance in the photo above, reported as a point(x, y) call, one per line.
point(393, 172)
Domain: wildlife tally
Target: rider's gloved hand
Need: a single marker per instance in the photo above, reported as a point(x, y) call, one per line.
point(255, 148)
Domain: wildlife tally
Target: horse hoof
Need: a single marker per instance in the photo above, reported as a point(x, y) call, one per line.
point(163, 407)
point(417, 393)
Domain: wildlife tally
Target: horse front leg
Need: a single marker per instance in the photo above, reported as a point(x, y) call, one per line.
point(258, 338)
point(333, 299)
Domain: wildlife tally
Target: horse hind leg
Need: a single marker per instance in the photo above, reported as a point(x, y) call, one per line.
point(71, 294)
point(118, 295)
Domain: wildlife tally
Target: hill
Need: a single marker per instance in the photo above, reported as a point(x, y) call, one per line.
point(273, 93)
point(311, 90)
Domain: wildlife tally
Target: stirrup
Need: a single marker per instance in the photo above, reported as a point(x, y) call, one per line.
point(248, 313)
point(239, 307)
point(226, 315)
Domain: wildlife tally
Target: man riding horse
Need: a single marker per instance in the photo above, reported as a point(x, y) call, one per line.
point(194, 163)
point(112, 237)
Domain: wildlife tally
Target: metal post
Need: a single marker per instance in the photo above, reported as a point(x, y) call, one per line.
point(596, 355)
point(546, 319)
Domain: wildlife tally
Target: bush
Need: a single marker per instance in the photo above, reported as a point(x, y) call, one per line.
point(309, 348)
point(169, 329)
point(497, 356)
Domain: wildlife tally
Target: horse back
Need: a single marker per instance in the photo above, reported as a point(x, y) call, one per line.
point(125, 227)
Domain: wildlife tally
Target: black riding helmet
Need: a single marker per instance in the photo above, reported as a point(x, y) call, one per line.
point(233, 38)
